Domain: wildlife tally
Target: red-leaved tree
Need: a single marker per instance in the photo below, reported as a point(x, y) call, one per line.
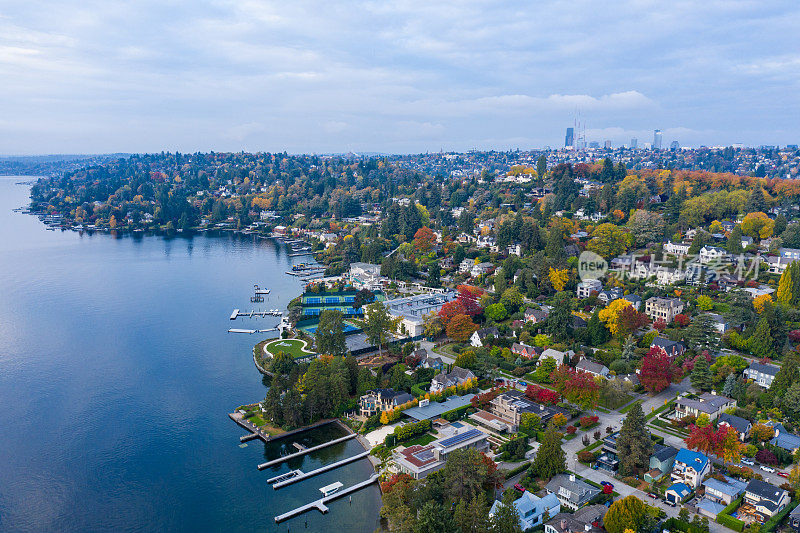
point(658, 370)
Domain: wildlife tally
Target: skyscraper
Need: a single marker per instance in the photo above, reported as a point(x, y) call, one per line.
point(674, 145)
point(657, 140)
point(569, 142)
point(634, 143)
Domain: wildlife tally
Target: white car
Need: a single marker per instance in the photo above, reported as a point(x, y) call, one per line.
point(747, 462)
point(767, 469)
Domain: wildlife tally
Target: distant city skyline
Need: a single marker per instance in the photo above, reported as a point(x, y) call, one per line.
point(393, 77)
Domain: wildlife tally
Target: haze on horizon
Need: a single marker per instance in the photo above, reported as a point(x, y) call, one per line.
point(397, 76)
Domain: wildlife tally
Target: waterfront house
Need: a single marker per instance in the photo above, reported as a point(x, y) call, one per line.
point(690, 467)
point(586, 520)
point(455, 377)
point(573, 493)
point(741, 425)
point(661, 462)
point(379, 400)
point(366, 276)
point(531, 509)
point(712, 404)
point(762, 501)
point(510, 406)
point(418, 461)
point(762, 374)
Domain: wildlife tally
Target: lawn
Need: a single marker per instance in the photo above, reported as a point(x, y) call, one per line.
point(422, 440)
point(294, 347)
point(630, 406)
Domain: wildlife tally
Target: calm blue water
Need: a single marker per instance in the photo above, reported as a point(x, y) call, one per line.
point(116, 377)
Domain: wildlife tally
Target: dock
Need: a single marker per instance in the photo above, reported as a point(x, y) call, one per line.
point(284, 477)
point(251, 331)
point(251, 436)
point(305, 475)
point(300, 254)
point(255, 314)
point(320, 504)
point(279, 460)
point(235, 314)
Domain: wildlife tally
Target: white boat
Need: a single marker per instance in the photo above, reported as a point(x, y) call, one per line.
point(327, 490)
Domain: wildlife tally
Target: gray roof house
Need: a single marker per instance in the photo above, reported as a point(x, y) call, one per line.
point(596, 369)
point(711, 404)
point(572, 492)
point(765, 499)
point(586, 520)
point(456, 376)
point(741, 425)
point(783, 439)
point(661, 462)
point(762, 374)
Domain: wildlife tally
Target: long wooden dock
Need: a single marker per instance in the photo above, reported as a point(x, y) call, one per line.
point(320, 504)
point(279, 460)
point(305, 475)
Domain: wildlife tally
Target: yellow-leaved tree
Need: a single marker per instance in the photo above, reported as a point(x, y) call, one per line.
point(559, 278)
point(610, 315)
point(760, 301)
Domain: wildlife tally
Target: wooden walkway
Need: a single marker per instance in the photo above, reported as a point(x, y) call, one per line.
point(320, 504)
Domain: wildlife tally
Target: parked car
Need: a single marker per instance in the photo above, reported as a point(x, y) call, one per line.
point(519, 487)
point(747, 462)
point(783, 474)
point(607, 484)
point(766, 468)
point(654, 496)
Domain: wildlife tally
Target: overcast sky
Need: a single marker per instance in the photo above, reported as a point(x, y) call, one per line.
point(81, 76)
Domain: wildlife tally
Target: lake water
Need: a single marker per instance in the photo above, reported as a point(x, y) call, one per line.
point(116, 377)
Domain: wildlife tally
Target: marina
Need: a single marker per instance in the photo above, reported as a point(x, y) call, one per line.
point(274, 462)
point(320, 504)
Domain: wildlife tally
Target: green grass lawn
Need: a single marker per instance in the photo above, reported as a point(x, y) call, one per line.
point(294, 347)
point(630, 406)
point(422, 440)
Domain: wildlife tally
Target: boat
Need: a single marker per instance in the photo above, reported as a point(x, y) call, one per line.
point(327, 490)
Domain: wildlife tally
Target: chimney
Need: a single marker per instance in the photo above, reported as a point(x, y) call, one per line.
point(572, 477)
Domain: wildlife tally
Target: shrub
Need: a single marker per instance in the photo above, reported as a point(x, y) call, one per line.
point(766, 456)
point(587, 421)
point(586, 456)
point(571, 429)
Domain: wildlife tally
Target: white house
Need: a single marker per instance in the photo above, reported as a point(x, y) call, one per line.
point(677, 248)
point(586, 287)
point(532, 509)
point(710, 254)
point(761, 374)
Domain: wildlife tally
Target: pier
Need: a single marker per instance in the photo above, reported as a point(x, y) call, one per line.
point(274, 462)
point(251, 436)
point(257, 314)
point(300, 476)
point(320, 504)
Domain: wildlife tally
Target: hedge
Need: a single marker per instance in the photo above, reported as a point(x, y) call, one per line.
point(517, 469)
point(724, 517)
point(455, 414)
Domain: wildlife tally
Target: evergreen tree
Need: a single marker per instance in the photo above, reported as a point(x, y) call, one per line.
point(559, 321)
point(756, 202)
point(541, 168)
point(760, 342)
point(272, 406)
point(598, 333)
point(701, 374)
point(550, 459)
point(634, 445)
point(293, 408)
point(702, 334)
point(329, 335)
point(433, 518)
point(730, 385)
point(789, 285)
point(735, 241)
point(506, 518)
point(629, 349)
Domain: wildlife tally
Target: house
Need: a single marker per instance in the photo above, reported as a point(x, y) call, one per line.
point(426, 360)
point(723, 492)
point(418, 461)
point(586, 287)
point(609, 295)
point(595, 369)
point(609, 458)
point(586, 520)
point(535, 315)
point(479, 336)
point(720, 324)
point(790, 253)
point(511, 405)
point(663, 308)
point(712, 404)
point(556, 355)
point(763, 501)
point(690, 467)
point(531, 509)
point(366, 276)
point(379, 400)
point(711, 254)
point(456, 376)
point(671, 348)
point(661, 462)
point(785, 440)
point(466, 265)
point(571, 492)
point(762, 374)
point(741, 425)
point(634, 300)
point(778, 264)
point(677, 492)
point(480, 269)
point(669, 276)
point(413, 310)
point(746, 241)
point(524, 351)
point(677, 248)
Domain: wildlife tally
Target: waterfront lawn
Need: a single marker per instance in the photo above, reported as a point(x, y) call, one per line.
point(294, 347)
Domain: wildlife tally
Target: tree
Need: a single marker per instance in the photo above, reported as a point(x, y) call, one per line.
point(550, 459)
point(379, 325)
point(432, 325)
point(496, 312)
point(789, 285)
point(460, 328)
point(465, 359)
point(506, 518)
point(646, 226)
point(541, 168)
point(760, 342)
point(633, 443)
point(757, 225)
point(628, 513)
point(702, 333)
point(608, 240)
point(558, 278)
point(329, 336)
point(705, 303)
point(559, 321)
point(701, 374)
point(511, 299)
point(730, 383)
point(704, 439)
point(432, 518)
point(657, 370)
point(629, 349)
point(729, 449)
point(598, 334)
point(424, 239)
point(611, 315)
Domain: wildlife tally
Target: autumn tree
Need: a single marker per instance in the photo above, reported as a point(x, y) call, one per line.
point(424, 239)
point(628, 513)
point(460, 328)
point(657, 370)
point(609, 240)
point(757, 225)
